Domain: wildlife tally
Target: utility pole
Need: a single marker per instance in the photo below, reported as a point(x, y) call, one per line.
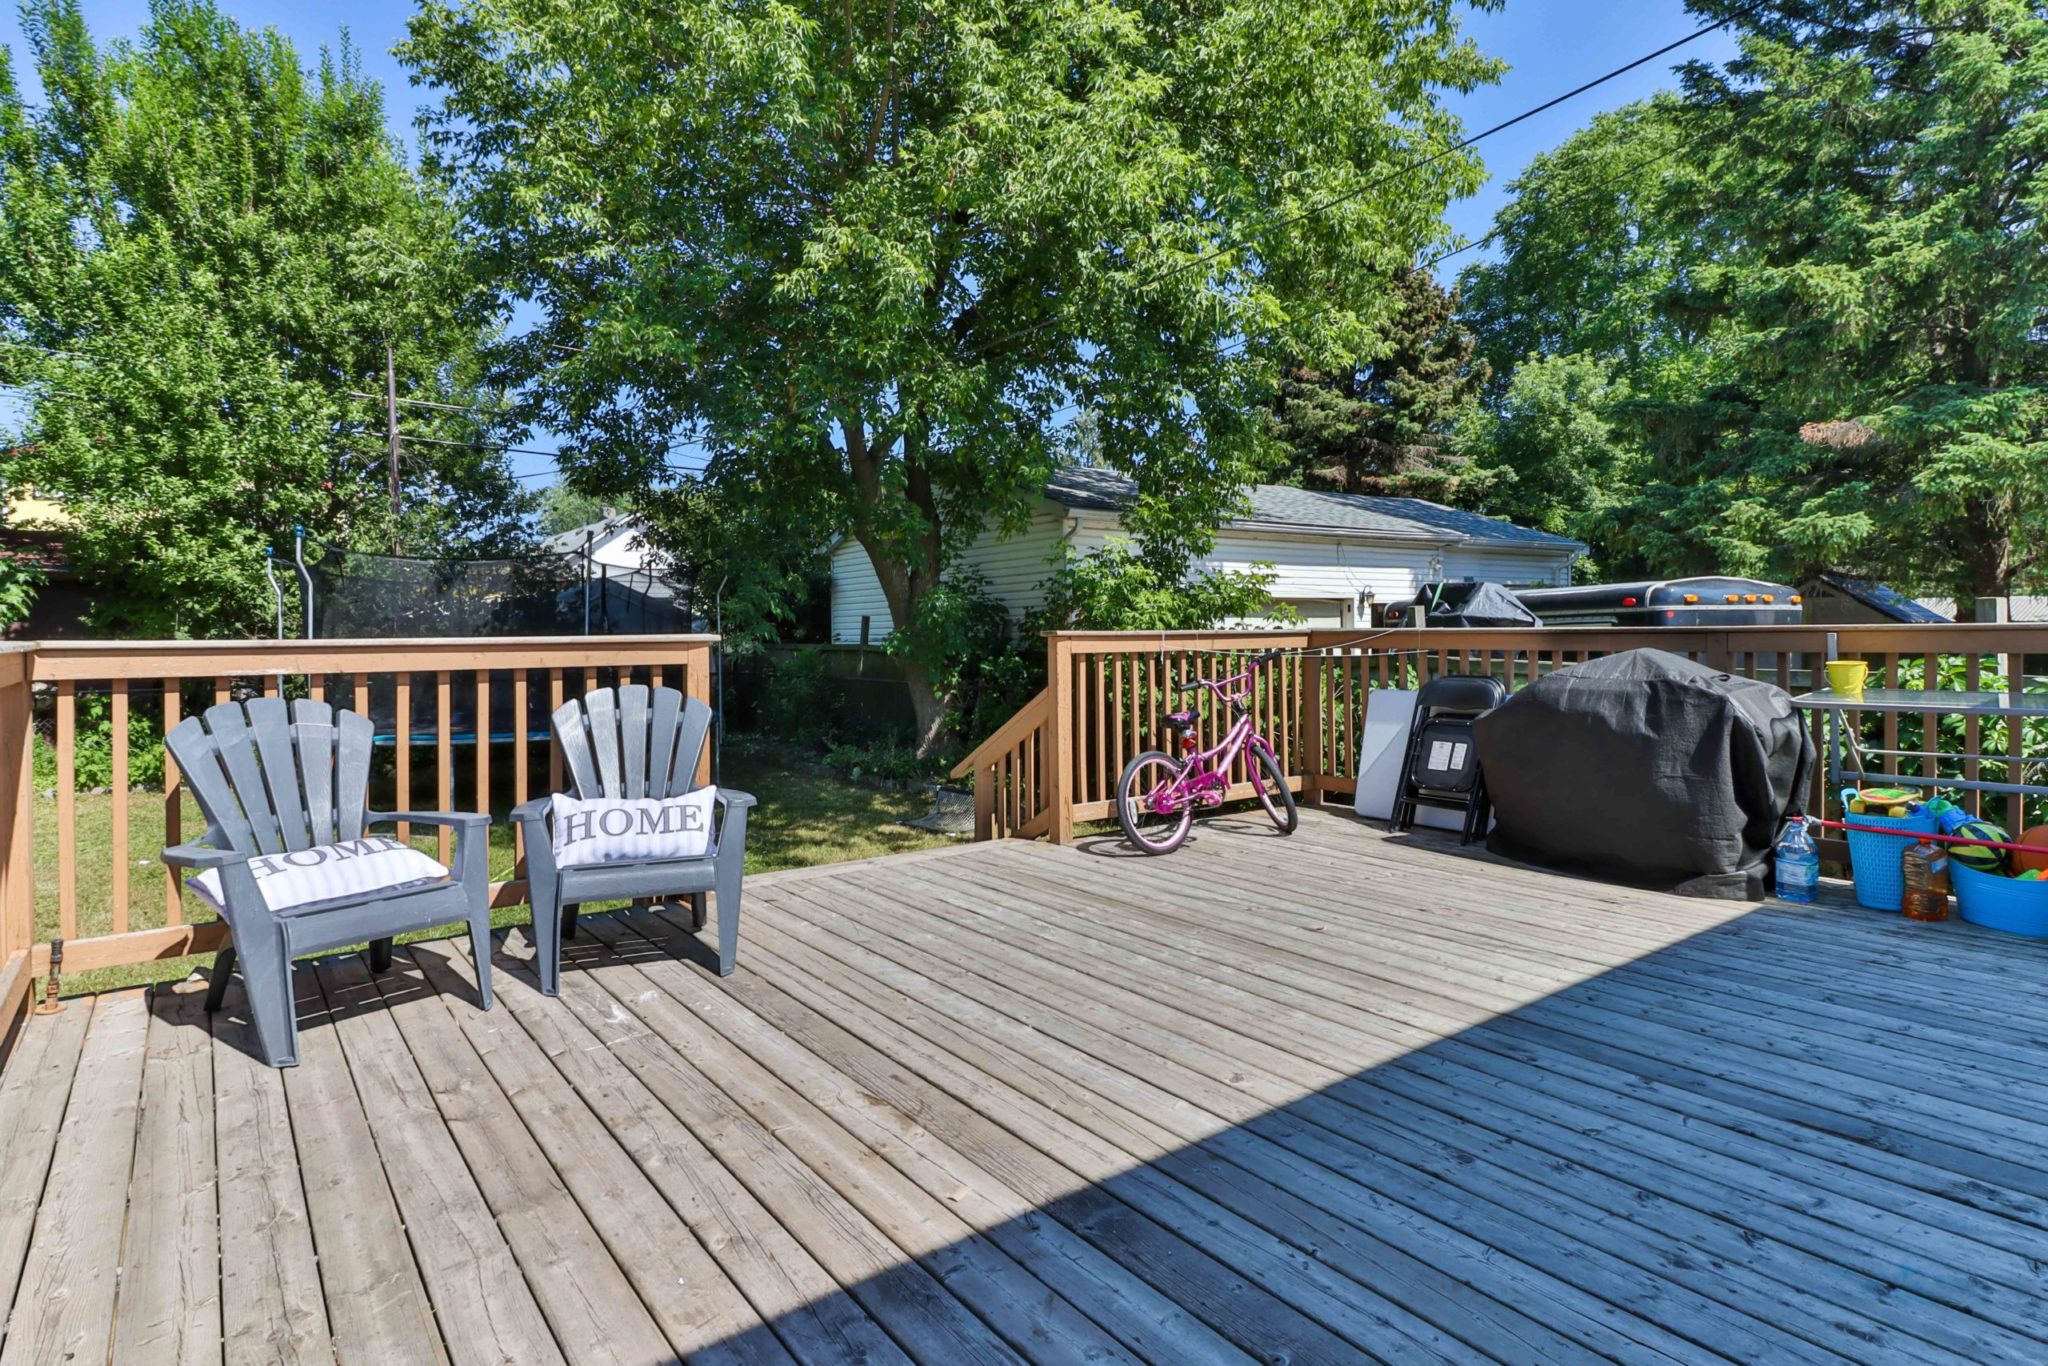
point(391, 426)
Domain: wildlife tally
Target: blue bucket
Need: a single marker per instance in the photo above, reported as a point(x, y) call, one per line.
point(1874, 859)
point(2000, 903)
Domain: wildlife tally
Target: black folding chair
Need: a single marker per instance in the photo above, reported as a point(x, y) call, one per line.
point(1441, 766)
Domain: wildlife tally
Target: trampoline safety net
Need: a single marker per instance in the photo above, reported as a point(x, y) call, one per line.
point(394, 597)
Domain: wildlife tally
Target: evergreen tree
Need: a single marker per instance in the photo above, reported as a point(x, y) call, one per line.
point(1875, 218)
point(1819, 274)
point(204, 249)
point(1379, 426)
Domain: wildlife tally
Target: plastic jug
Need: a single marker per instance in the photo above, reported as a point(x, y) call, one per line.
point(1798, 862)
point(1924, 868)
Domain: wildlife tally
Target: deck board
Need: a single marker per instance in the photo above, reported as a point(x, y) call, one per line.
point(1332, 1098)
point(169, 1305)
point(64, 1304)
point(272, 1308)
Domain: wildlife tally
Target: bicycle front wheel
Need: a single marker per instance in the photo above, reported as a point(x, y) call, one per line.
point(1273, 793)
point(1151, 781)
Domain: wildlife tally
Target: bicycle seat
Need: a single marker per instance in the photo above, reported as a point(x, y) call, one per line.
point(1182, 720)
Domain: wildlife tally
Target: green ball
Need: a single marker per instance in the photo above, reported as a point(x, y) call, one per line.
point(1976, 855)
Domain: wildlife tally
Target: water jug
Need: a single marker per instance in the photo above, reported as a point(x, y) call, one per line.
point(1798, 862)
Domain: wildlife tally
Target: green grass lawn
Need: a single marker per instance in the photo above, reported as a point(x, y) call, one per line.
point(802, 820)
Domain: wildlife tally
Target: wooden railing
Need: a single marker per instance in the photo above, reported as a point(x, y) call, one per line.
point(461, 725)
point(1011, 798)
point(1056, 763)
point(17, 850)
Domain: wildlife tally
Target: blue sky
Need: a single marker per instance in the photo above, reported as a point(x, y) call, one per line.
point(1550, 47)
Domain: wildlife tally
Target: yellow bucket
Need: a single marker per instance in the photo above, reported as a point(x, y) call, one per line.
point(1846, 676)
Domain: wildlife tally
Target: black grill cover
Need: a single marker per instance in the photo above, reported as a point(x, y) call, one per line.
point(1467, 604)
point(1647, 768)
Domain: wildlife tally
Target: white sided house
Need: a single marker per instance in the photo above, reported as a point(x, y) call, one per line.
point(1334, 554)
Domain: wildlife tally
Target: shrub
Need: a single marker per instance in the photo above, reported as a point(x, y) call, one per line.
point(1117, 589)
point(800, 701)
point(963, 636)
point(93, 748)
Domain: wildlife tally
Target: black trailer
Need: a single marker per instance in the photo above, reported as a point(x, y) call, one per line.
point(1708, 601)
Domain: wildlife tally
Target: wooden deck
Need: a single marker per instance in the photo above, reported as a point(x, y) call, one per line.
point(1330, 1099)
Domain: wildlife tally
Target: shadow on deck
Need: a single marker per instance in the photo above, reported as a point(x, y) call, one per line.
point(1331, 1098)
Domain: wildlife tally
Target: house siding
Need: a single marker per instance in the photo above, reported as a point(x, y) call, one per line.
point(1017, 567)
point(1309, 569)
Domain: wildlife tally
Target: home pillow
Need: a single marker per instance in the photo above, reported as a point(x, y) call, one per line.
point(330, 872)
point(630, 829)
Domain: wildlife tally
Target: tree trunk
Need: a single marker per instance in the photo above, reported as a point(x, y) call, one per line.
point(903, 590)
point(1988, 556)
point(928, 707)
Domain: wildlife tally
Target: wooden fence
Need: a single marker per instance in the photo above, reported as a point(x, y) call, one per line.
point(1056, 763)
point(461, 725)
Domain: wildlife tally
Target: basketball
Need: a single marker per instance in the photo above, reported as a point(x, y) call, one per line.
point(2032, 862)
point(1976, 855)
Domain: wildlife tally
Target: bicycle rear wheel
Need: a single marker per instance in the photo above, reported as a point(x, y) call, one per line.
point(1143, 780)
point(1273, 793)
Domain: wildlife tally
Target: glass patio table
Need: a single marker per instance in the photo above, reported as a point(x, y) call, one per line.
point(1924, 702)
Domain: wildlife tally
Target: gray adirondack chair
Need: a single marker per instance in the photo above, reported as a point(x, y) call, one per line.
point(630, 742)
point(273, 779)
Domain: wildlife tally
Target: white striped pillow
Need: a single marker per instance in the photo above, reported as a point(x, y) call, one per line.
point(624, 830)
point(330, 872)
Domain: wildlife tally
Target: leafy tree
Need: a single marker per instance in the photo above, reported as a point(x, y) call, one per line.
point(1597, 254)
point(868, 254)
point(1819, 271)
point(1548, 455)
point(564, 509)
point(1378, 426)
point(1874, 216)
point(204, 248)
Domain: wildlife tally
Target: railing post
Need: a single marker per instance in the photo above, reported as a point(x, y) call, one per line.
point(17, 746)
point(1059, 733)
point(1719, 656)
point(1308, 725)
point(17, 847)
point(697, 684)
point(984, 801)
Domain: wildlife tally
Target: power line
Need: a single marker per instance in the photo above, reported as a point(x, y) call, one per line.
point(1316, 210)
point(483, 446)
point(1239, 344)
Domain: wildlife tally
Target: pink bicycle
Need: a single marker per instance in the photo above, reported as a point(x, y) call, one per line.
point(1157, 795)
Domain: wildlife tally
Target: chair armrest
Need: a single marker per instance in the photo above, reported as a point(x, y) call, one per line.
point(202, 856)
point(535, 809)
point(732, 824)
point(460, 820)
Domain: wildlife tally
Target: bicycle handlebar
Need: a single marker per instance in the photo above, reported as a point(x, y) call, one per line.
point(1251, 666)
